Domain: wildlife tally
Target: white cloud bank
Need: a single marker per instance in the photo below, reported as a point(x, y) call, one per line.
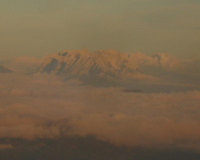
point(44, 106)
point(23, 64)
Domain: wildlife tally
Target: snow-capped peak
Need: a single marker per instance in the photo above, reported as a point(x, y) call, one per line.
point(78, 63)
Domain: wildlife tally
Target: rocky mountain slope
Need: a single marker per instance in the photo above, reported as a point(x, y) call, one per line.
point(4, 70)
point(82, 64)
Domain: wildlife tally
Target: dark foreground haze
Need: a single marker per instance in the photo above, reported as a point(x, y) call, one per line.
point(88, 148)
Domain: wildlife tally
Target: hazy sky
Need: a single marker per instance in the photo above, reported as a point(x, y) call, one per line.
point(37, 27)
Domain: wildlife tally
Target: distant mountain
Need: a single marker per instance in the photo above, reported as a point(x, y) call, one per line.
point(4, 70)
point(93, 66)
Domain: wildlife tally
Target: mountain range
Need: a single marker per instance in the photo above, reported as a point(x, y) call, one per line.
point(88, 66)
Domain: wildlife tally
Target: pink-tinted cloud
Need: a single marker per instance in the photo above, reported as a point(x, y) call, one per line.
point(50, 107)
point(24, 64)
point(158, 60)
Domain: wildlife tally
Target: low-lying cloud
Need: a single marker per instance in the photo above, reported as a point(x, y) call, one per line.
point(45, 106)
point(24, 64)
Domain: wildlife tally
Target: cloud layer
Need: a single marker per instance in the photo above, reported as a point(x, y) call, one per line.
point(45, 106)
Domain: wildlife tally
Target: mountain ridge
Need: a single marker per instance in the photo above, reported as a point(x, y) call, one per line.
point(5, 70)
point(84, 63)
